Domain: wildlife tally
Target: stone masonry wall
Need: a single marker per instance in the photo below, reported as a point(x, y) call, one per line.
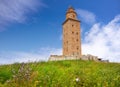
point(84, 57)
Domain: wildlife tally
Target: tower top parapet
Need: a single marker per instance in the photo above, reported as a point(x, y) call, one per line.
point(71, 13)
point(70, 9)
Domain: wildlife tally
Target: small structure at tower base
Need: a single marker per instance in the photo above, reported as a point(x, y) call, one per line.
point(61, 57)
point(73, 57)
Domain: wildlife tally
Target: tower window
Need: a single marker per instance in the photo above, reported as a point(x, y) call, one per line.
point(77, 40)
point(72, 25)
point(77, 33)
point(72, 32)
point(77, 48)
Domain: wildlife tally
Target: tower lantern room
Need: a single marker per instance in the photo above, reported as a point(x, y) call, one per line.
point(71, 13)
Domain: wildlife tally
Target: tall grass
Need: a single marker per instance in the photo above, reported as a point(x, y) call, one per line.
point(75, 73)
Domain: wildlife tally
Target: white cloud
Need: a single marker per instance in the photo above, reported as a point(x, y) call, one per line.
point(17, 10)
point(16, 56)
point(86, 16)
point(104, 40)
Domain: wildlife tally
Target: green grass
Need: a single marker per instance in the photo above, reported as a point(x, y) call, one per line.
point(65, 73)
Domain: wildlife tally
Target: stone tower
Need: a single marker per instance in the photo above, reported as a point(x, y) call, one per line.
point(71, 34)
point(72, 40)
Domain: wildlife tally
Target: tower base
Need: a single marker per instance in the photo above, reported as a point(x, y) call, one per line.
point(83, 57)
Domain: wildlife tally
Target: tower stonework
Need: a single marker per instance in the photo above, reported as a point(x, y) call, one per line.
point(71, 34)
point(72, 40)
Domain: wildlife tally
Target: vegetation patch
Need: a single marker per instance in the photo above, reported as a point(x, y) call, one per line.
point(67, 73)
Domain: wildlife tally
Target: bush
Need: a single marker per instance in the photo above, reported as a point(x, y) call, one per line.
point(24, 77)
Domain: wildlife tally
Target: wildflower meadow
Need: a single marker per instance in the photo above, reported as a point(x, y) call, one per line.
point(76, 73)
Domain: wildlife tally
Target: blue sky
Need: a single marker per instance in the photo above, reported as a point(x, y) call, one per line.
point(31, 30)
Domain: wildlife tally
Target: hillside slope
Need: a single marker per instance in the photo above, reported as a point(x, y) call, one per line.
point(75, 73)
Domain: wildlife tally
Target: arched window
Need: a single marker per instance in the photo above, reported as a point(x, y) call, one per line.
point(76, 33)
point(77, 40)
point(77, 48)
point(72, 32)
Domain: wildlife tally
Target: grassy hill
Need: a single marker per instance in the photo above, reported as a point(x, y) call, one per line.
point(75, 73)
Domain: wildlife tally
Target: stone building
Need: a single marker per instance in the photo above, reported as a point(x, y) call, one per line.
point(71, 34)
point(72, 40)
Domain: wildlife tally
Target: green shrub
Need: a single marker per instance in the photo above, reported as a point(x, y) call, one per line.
point(24, 77)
